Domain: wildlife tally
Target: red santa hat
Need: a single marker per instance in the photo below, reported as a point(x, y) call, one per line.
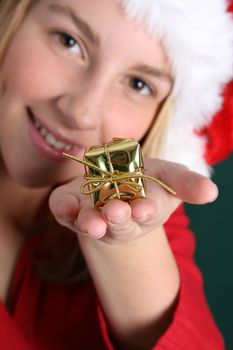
point(198, 38)
point(219, 133)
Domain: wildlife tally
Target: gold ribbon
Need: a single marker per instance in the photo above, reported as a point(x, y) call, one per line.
point(113, 177)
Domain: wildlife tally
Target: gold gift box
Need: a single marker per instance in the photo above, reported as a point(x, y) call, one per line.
point(115, 170)
point(118, 160)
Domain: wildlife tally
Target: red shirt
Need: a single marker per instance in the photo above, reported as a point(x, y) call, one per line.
point(68, 317)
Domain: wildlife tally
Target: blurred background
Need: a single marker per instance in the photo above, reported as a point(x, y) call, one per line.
point(212, 225)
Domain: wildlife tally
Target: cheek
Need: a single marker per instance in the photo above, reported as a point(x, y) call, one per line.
point(29, 73)
point(131, 122)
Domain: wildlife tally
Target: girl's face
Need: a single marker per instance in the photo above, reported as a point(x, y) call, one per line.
point(77, 73)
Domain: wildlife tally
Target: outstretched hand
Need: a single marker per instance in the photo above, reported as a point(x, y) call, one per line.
point(119, 221)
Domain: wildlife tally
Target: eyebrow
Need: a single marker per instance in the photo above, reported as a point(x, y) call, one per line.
point(80, 23)
point(156, 72)
point(94, 38)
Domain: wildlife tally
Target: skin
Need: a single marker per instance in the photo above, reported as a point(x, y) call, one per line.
point(88, 93)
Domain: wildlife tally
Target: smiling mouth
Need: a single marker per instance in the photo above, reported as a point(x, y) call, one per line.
point(49, 138)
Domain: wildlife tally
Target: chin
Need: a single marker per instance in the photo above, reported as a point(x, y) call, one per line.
point(34, 175)
point(31, 179)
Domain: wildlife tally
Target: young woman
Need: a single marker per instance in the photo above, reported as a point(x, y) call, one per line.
point(75, 74)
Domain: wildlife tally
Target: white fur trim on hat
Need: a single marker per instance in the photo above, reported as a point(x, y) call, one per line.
point(198, 38)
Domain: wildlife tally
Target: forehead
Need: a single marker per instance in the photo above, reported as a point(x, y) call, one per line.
point(110, 22)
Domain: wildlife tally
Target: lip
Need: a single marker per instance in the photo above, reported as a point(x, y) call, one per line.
point(43, 147)
point(59, 136)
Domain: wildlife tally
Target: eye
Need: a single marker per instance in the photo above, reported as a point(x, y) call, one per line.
point(69, 42)
point(140, 86)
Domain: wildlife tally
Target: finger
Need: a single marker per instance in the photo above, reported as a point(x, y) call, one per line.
point(120, 225)
point(64, 206)
point(197, 189)
point(91, 222)
point(190, 186)
point(148, 211)
point(70, 211)
point(65, 201)
point(155, 209)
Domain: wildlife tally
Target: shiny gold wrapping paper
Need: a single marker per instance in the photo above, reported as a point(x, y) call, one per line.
point(115, 170)
point(118, 157)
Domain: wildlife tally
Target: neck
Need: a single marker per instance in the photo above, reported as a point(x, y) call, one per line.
point(18, 208)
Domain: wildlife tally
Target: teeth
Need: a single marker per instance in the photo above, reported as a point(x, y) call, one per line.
point(68, 147)
point(43, 132)
point(51, 140)
point(37, 124)
point(59, 145)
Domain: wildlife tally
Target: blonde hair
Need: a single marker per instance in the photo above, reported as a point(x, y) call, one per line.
point(12, 13)
point(156, 137)
point(70, 267)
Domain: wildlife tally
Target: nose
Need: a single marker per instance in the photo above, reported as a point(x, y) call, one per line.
point(82, 109)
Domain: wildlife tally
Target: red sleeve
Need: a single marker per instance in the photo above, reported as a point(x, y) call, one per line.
point(10, 335)
point(193, 326)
